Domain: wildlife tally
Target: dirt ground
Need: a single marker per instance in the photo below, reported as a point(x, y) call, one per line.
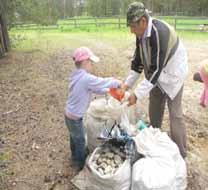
point(34, 145)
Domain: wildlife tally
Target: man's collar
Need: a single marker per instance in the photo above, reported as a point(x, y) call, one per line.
point(148, 30)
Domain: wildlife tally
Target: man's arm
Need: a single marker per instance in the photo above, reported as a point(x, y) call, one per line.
point(136, 68)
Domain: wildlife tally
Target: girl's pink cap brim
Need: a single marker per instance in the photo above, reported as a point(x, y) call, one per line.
point(84, 53)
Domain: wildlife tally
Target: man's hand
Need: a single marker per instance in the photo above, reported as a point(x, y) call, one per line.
point(132, 99)
point(124, 87)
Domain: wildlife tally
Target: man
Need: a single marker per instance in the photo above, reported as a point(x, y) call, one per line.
point(163, 58)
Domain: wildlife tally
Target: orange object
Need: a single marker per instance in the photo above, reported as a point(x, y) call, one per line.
point(117, 93)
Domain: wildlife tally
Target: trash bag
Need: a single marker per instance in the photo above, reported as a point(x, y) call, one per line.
point(163, 168)
point(130, 128)
point(120, 179)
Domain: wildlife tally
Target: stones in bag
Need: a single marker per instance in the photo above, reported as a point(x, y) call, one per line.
point(108, 161)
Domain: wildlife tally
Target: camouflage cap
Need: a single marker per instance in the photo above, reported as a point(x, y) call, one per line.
point(135, 11)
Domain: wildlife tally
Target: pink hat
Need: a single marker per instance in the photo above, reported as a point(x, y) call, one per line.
point(84, 53)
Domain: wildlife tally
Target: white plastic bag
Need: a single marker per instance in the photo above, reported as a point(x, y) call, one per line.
point(120, 180)
point(162, 162)
point(125, 124)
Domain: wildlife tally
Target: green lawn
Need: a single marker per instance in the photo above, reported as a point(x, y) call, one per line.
point(28, 39)
point(35, 36)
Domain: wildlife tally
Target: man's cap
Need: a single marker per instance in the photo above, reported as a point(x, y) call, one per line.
point(84, 53)
point(135, 11)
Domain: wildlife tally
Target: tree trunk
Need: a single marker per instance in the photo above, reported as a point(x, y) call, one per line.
point(4, 37)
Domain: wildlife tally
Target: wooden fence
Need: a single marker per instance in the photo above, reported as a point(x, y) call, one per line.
point(179, 23)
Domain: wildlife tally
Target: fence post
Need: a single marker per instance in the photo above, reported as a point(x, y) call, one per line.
point(119, 22)
point(175, 24)
point(96, 22)
point(75, 23)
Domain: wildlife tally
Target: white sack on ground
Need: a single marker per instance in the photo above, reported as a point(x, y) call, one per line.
point(102, 114)
point(118, 180)
point(163, 168)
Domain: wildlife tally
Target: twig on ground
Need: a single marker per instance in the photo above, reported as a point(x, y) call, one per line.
point(27, 183)
point(12, 111)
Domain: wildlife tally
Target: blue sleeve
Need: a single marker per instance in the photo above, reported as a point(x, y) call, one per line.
point(100, 85)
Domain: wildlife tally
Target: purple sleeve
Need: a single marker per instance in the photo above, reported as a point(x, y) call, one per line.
point(100, 85)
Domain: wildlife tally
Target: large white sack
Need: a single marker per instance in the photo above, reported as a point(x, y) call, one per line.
point(102, 114)
point(167, 146)
point(181, 173)
point(146, 142)
point(120, 180)
point(94, 126)
point(157, 146)
point(153, 174)
point(106, 108)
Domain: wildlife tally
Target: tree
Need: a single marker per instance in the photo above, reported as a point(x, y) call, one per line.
point(4, 37)
point(49, 11)
point(36, 11)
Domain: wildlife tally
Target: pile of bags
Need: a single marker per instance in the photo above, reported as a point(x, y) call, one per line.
point(160, 168)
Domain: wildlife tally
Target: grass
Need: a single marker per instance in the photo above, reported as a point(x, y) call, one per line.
point(4, 157)
point(51, 39)
point(194, 36)
point(66, 35)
